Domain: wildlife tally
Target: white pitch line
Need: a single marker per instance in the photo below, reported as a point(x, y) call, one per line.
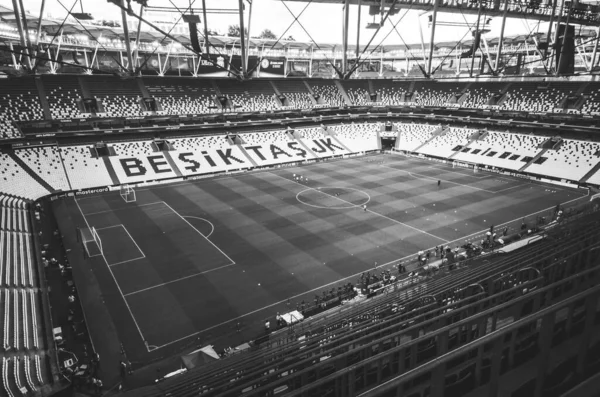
point(205, 220)
point(132, 239)
point(197, 231)
point(128, 260)
point(120, 209)
point(114, 278)
point(368, 210)
point(177, 280)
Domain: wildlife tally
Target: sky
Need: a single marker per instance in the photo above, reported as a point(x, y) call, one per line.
point(323, 22)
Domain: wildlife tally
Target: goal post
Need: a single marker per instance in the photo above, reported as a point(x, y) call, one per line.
point(128, 193)
point(90, 241)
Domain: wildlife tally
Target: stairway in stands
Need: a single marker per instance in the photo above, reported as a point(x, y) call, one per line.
point(26, 168)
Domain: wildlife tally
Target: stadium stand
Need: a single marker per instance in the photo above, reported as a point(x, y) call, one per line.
point(572, 160)
point(443, 144)
point(478, 94)
point(19, 101)
point(591, 93)
point(357, 91)
point(390, 92)
point(45, 161)
point(358, 137)
point(83, 169)
point(249, 96)
point(436, 94)
point(118, 98)
point(296, 93)
point(19, 291)
point(191, 155)
point(328, 92)
point(17, 181)
point(63, 93)
point(500, 149)
point(178, 96)
point(411, 136)
point(533, 97)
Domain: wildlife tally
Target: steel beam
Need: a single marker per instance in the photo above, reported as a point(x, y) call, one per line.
point(564, 40)
point(562, 6)
point(358, 31)
point(501, 40)
point(126, 34)
point(206, 39)
point(431, 40)
point(242, 38)
point(474, 39)
point(249, 24)
point(24, 55)
point(345, 37)
point(593, 63)
point(137, 38)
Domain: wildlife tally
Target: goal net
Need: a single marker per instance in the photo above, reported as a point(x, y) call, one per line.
point(128, 193)
point(92, 244)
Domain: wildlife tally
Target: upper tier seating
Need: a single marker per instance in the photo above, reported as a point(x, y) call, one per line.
point(592, 103)
point(436, 94)
point(531, 97)
point(328, 92)
point(83, 170)
point(120, 98)
point(178, 96)
point(17, 182)
point(390, 92)
point(413, 135)
point(358, 91)
point(442, 145)
point(502, 149)
point(19, 101)
point(571, 161)
point(46, 163)
point(478, 94)
point(249, 96)
point(296, 93)
point(62, 93)
point(357, 137)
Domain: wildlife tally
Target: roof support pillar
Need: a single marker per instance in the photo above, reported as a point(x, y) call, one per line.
point(206, 39)
point(249, 25)
point(24, 55)
point(358, 31)
point(545, 58)
point(126, 34)
point(345, 38)
point(564, 39)
point(431, 40)
point(593, 62)
point(552, 62)
point(501, 41)
point(137, 39)
point(475, 38)
point(242, 38)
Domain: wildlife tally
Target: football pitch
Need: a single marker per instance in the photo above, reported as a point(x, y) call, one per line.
point(191, 260)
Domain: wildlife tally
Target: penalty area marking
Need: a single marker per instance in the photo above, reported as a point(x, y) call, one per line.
point(212, 227)
point(318, 189)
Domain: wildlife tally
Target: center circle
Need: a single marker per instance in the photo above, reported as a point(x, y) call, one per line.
point(335, 198)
